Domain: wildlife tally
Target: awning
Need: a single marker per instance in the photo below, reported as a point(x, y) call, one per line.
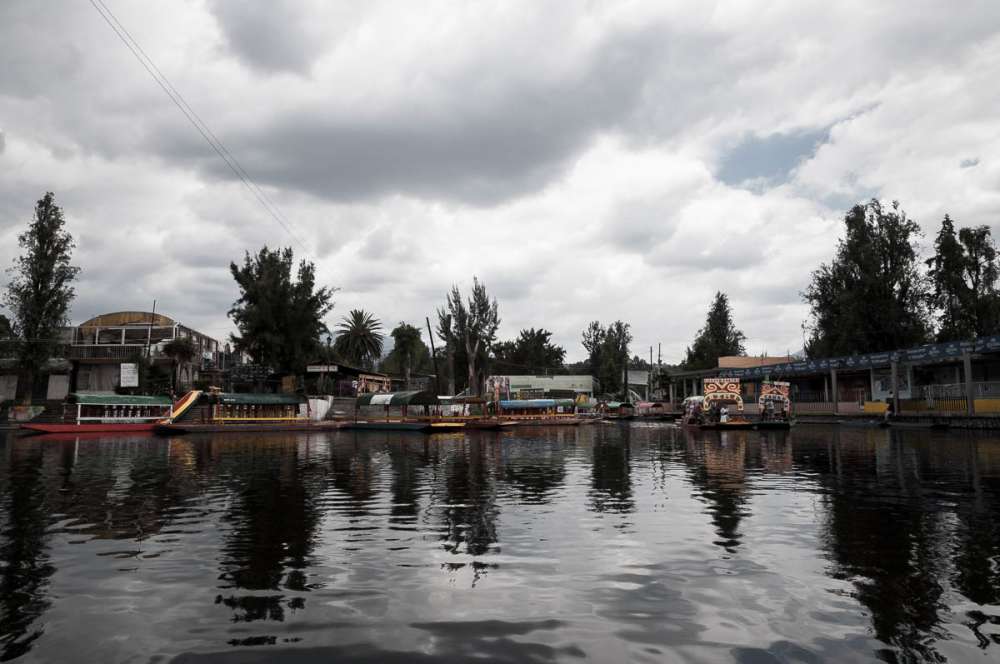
point(249, 399)
point(411, 398)
point(111, 399)
point(536, 404)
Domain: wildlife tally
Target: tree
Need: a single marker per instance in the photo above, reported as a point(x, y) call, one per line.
point(719, 337)
point(445, 332)
point(180, 350)
point(279, 318)
point(607, 352)
point(871, 296)
point(475, 324)
point(963, 273)
point(359, 339)
point(532, 351)
point(407, 345)
point(41, 287)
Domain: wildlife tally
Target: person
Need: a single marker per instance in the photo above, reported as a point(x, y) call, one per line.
point(724, 414)
point(769, 410)
point(890, 407)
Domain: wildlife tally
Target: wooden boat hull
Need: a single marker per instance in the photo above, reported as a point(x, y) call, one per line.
point(553, 422)
point(490, 425)
point(746, 426)
point(93, 427)
point(261, 427)
point(419, 427)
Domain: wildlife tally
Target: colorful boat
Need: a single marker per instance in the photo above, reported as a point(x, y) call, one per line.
point(107, 413)
point(539, 412)
point(231, 412)
point(414, 410)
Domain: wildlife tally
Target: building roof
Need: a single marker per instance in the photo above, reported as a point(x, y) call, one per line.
point(129, 318)
point(577, 383)
point(112, 399)
point(532, 404)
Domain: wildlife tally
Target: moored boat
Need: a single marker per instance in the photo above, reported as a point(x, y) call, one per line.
point(106, 413)
point(539, 412)
point(231, 412)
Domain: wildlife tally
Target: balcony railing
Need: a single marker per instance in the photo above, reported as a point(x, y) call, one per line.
point(110, 352)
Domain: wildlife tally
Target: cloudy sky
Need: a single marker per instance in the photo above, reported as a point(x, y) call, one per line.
point(587, 160)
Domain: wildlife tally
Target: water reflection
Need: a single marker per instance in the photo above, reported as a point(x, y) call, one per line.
point(610, 542)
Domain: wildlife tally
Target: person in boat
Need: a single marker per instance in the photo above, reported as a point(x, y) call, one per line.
point(768, 411)
point(724, 414)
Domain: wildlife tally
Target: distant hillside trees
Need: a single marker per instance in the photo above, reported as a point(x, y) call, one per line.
point(607, 354)
point(719, 337)
point(279, 316)
point(963, 277)
point(871, 296)
point(41, 290)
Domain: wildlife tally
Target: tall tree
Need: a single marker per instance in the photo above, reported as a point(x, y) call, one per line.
point(871, 296)
point(593, 342)
point(475, 323)
point(719, 336)
point(445, 332)
point(359, 339)
point(532, 351)
point(279, 317)
point(41, 287)
point(407, 345)
point(963, 273)
point(181, 351)
point(614, 358)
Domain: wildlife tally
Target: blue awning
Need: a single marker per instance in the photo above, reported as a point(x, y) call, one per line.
point(539, 404)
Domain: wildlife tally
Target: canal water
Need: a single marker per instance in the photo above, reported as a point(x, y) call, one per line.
point(605, 543)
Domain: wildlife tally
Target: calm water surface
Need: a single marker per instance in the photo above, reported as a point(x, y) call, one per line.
point(602, 543)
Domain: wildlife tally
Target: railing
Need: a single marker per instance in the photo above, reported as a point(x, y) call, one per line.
point(111, 352)
point(988, 389)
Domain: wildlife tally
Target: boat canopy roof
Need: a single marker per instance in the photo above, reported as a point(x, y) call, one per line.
point(410, 398)
point(112, 399)
point(620, 404)
point(530, 404)
point(251, 399)
point(697, 398)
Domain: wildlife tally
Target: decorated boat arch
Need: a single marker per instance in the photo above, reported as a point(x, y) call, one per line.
point(722, 391)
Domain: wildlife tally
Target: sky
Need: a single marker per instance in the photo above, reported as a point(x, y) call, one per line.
point(587, 161)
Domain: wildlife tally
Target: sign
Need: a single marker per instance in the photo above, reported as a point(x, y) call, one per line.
point(129, 375)
point(322, 368)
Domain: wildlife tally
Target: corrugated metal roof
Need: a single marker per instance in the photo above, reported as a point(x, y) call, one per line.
point(249, 399)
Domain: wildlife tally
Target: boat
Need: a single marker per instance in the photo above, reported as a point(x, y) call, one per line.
point(427, 420)
point(539, 412)
point(753, 425)
point(489, 424)
point(233, 412)
point(107, 413)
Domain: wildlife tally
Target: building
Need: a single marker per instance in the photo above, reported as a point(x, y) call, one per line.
point(537, 387)
point(90, 356)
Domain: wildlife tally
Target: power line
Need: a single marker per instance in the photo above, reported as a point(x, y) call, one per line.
point(175, 96)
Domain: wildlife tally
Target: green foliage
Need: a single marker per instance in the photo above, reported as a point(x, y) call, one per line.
point(474, 325)
point(719, 337)
point(359, 339)
point(41, 286)
point(607, 352)
point(444, 331)
point(963, 273)
point(279, 318)
point(407, 348)
point(532, 352)
point(871, 297)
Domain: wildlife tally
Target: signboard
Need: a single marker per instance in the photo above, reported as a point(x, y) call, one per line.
point(774, 391)
point(129, 375)
point(722, 389)
point(928, 353)
point(322, 368)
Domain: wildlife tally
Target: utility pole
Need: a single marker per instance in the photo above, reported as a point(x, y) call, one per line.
point(437, 376)
point(649, 375)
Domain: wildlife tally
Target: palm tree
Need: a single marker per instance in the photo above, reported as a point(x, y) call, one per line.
point(359, 339)
point(180, 350)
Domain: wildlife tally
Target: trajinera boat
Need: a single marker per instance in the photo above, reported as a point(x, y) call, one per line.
point(231, 412)
point(412, 410)
point(106, 413)
point(548, 412)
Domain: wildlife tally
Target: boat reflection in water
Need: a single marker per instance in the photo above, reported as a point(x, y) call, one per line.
point(644, 542)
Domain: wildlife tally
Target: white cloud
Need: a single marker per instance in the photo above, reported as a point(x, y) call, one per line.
point(569, 156)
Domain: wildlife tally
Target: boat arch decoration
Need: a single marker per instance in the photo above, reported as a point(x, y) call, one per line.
point(721, 390)
point(778, 392)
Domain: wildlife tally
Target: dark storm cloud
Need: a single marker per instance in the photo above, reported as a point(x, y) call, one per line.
point(269, 36)
point(456, 146)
